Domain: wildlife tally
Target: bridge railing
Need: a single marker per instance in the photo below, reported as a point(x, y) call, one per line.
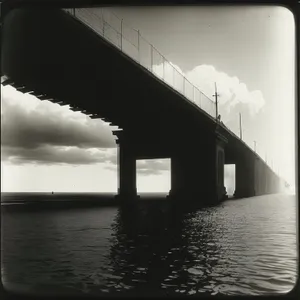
point(131, 42)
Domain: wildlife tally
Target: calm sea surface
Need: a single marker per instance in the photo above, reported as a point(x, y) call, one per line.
point(245, 246)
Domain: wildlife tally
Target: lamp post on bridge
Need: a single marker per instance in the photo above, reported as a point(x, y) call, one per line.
point(216, 95)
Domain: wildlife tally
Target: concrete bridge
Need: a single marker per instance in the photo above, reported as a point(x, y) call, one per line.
point(56, 57)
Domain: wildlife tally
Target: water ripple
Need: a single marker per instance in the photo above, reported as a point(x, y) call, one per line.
point(245, 247)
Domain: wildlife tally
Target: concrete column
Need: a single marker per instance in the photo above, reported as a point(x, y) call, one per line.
point(220, 163)
point(261, 177)
point(126, 171)
point(264, 178)
point(269, 179)
point(197, 171)
point(266, 181)
point(177, 174)
point(245, 176)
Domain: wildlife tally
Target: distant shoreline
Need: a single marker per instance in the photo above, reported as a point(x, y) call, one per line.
point(39, 201)
point(28, 200)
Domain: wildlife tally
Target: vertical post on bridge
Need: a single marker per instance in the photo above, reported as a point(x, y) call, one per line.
point(103, 21)
point(216, 95)
point(139, 46)
point(122, 34)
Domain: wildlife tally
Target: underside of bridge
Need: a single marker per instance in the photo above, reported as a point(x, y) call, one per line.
point(55, 57)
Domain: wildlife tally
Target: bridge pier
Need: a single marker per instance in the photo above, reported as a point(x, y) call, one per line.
point(197, 171)
point(126, 171)
point(254, 178)
point(245, 177)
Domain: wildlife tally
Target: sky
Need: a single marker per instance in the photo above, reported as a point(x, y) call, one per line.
point(248, 51)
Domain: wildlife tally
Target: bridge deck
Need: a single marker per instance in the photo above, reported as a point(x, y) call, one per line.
point(72, 64)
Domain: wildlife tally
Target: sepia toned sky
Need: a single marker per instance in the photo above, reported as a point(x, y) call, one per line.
point(247, 51)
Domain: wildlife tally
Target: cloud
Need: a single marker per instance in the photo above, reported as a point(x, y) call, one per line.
point(43, 132)
point(50, 155)
point(233, 94)
point(231, 90)
point(30, 123)
point(171, 74)
point(144, 167)
point(152, 166)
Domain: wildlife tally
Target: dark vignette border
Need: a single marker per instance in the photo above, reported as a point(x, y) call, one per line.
point(292, 5)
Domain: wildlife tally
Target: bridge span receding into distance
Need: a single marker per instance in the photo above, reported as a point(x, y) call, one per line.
point(58, 56)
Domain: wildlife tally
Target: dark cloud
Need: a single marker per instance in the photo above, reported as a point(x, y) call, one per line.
point(54, 155)
point(34, 131)
point(47, 125)
point(41, 132)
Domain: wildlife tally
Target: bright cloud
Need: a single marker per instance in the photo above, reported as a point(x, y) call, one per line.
point(231, 90)
point(171, 74)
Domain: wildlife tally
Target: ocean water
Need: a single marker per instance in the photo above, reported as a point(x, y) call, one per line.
point(240, 247)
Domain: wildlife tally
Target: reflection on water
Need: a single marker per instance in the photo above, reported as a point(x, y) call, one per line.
point(243, 246)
